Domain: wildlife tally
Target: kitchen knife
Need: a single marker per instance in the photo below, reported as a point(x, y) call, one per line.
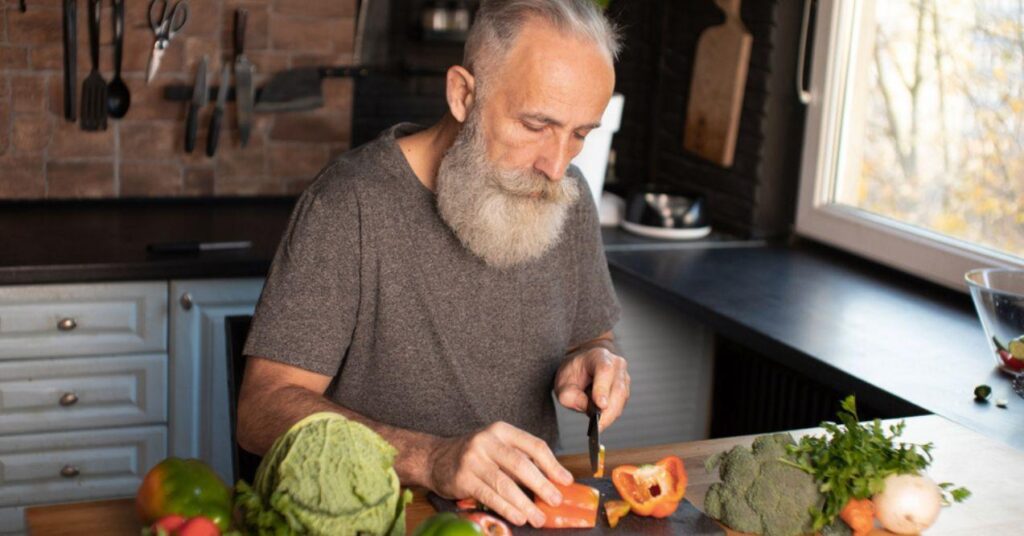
point(218, 111)
point(199, 99)
point(594, 435)
point(300, 89)
point(244, 94)
point(70, 58)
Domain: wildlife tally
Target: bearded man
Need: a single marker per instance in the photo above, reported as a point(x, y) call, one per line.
point(439, 284)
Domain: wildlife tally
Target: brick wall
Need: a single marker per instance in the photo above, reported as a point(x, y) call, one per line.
point(44, 157)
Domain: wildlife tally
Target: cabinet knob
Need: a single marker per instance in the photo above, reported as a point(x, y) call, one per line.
point(67, 324)
point(69, 471)
point(68, 399)
point(186, 301)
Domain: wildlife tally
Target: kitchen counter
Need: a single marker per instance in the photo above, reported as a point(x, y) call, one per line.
point(991, 470)
point(901, 344)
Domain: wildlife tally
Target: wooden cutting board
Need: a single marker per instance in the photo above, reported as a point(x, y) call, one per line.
point(685, 520)
point(716, 88)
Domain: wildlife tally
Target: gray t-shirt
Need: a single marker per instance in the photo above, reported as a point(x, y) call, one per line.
point(371, 287)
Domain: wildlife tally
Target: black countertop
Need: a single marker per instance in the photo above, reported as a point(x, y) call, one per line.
point(894, 340)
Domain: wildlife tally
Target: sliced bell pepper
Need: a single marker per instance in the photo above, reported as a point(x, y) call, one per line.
point(652, 490)
point(615, 510)
point(467, 504)
point(577, 510)
point(600, 463)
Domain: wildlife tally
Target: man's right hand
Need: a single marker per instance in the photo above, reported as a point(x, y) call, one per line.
point(487, 465)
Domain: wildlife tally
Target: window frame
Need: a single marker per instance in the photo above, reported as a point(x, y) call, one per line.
point(839, 28)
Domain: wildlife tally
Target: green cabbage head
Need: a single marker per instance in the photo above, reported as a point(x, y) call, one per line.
point(326, 475)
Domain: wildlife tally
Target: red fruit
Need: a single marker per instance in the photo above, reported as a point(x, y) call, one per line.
point(168, 524)
point(1011, 362)
point(198, 526)
point(489, 525)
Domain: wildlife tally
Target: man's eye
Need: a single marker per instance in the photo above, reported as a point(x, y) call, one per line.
point(532, 128)
point(580, 135)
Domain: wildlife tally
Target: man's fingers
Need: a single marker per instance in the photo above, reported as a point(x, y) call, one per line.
point(541, 454)
point(572, 397)
point(488, 496)
point(604, 370)
point(616, 401)
point(514, 496)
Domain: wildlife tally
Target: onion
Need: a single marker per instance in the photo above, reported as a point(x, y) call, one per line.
point(909, 504)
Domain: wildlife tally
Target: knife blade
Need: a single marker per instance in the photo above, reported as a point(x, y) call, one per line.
point(70, 34)
point(244, 93)
point(218, 111)
point(200, 96)
point(594, 435)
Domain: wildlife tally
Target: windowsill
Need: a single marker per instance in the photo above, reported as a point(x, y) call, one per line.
point(896, 341)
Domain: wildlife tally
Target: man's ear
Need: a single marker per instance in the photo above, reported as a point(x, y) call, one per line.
point(460, 88)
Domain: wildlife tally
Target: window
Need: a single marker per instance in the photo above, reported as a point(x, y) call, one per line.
point(914, 147)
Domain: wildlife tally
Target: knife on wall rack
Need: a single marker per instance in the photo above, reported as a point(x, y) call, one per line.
point(70, 34)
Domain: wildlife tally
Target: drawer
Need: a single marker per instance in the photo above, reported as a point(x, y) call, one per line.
point(83, 319)
point(73, 466)
point(12, 520)
point(87, 392)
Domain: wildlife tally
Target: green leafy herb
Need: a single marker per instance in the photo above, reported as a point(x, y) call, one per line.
point(852, 460)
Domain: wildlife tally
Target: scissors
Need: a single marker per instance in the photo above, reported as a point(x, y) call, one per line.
point(166, 23)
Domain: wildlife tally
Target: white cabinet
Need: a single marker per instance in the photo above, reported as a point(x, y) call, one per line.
point(83, 392)
point(199, 421)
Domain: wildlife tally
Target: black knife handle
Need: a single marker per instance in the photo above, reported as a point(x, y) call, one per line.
point(94, 33)
point(241, 16)
point(118, 36)
point(191, 126)
point(214, 132)
point(70, 58)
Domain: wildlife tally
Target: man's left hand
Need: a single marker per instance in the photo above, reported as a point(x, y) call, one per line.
point(604, 372)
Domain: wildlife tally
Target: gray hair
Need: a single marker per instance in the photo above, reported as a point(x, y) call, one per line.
point(498, 23)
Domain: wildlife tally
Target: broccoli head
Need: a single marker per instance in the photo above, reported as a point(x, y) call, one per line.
point(761, 494)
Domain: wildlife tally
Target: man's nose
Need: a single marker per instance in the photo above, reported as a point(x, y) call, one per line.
point(554, 159)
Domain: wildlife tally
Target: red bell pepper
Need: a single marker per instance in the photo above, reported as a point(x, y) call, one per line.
point(652, 490)
point(615, 510)
point(578, 508)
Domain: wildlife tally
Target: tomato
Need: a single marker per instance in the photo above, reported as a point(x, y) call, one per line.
point(490, 525)
point(198, 526)
point(1010, 361)
point(652, 490)
point(168, 524)
point(578, 509)
point(188, 488)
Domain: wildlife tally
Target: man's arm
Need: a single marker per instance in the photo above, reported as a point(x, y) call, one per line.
point(598, 365)
point(485, 464)
point(274, 396)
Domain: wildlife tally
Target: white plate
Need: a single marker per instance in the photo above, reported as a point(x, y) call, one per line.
point(666, 234)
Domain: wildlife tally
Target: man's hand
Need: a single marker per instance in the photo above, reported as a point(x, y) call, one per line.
point(594, 365)
point(487, 465)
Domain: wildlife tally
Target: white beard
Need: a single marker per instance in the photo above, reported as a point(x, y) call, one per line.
point(505, 217)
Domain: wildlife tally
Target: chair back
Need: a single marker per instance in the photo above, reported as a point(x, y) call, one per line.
point(237, 329)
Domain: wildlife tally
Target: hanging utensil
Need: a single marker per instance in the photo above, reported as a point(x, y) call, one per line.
point(213, 133)
point(70, 33)
point(94, 89)
point(119, 98)
point(168, 21)
point(200, 96)
point(244, 94)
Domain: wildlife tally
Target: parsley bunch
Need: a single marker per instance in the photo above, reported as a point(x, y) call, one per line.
point(853, 460)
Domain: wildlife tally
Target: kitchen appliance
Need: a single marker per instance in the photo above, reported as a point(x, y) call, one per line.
point(668, 216)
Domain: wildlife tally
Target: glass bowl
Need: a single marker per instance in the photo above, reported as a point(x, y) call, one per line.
point(998, 296)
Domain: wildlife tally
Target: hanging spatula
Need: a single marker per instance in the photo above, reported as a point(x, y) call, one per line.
point(94, 89)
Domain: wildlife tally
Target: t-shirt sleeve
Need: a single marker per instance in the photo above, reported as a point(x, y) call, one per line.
point(597, 309)
point(307, 311)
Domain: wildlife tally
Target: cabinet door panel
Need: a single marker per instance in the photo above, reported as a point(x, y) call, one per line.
point(63, 394)
point(82, 319)
point(199, 419)
point(71, 466)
